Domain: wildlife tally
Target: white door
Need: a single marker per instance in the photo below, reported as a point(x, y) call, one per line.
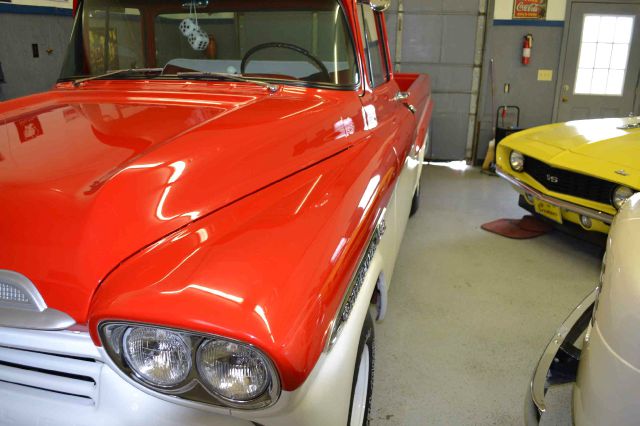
point(602, 61)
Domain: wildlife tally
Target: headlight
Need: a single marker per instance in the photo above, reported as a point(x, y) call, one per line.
point(517, 161)
point(160, 357)
point(235, 372)
point(620, 195)
point(192, 366)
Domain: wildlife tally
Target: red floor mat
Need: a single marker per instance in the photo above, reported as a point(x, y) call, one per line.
point(519, 229)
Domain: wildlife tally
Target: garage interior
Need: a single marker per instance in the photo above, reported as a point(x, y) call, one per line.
point(469, 311)
point(462, 341)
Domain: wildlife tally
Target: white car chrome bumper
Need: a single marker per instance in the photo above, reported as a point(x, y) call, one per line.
point(556, 366)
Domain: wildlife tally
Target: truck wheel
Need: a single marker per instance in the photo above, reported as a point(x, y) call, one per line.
point(415, 202)
point(362, 388)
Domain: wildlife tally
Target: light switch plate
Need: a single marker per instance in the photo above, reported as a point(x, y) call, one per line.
point(545, 75)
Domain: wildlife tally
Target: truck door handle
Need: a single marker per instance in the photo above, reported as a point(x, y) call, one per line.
point(401, 96)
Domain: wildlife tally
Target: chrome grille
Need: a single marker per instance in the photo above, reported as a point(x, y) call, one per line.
point(569, 183)
point(30, 363)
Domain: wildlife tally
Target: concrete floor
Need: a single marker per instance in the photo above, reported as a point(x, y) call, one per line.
point(469, 311)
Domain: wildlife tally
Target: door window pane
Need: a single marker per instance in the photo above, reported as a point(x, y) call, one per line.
point(590, 28)
point(624, 29)
point(583, 80)
point(588, 55)
point(604, 54)
point(615, 82)
point(619, 56)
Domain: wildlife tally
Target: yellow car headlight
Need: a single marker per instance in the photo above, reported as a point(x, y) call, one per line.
point(516, 160)
point(620, 195)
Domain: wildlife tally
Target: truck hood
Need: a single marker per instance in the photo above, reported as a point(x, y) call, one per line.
point(600, 139)
point(90, 176)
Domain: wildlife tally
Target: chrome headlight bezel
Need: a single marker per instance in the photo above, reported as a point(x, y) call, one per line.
point(516, 161)
point(193, 388)
point(617, 200)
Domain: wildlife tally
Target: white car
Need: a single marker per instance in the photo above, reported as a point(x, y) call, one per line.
point(595, 354)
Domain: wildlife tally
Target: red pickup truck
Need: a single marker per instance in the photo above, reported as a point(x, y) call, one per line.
point(195, 221)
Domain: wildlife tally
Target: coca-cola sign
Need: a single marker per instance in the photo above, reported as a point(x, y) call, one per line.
point(529, 9)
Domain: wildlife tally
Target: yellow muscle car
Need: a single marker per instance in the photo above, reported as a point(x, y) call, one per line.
point(577, 174)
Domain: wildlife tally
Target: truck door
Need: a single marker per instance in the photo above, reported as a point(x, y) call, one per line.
point(392, 122)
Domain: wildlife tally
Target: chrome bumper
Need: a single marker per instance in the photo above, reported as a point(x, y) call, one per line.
point(554, 368)
point(581, 210)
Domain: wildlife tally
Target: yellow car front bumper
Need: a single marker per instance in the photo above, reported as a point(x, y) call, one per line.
point(571, 212)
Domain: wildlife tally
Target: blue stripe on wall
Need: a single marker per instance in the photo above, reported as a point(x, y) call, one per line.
point(34, 10)
point(527, 23)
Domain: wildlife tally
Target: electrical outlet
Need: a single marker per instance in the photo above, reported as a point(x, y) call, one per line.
point(545, 75)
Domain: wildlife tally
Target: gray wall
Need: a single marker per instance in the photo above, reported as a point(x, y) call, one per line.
point(535, 98)
point(443, 38)
point(23, 73)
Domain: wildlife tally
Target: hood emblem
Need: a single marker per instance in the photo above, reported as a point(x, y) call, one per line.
point(622, 172)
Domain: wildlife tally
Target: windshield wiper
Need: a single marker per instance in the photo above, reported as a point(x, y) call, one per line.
point(116, 73)
point(224, 76)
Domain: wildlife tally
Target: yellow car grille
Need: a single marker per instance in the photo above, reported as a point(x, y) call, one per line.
point(569, 183)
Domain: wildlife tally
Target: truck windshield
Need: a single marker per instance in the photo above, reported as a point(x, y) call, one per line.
point(296, 42)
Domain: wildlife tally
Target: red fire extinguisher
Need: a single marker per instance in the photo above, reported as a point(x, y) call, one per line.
point(526, 49)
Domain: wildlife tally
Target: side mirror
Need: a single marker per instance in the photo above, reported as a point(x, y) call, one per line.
point(380, 5)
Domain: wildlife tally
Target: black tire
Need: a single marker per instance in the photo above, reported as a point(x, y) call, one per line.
point(415, 202)
point(367, 338)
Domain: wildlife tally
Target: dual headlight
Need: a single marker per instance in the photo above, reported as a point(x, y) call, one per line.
point(516, 160)
point(191, 366)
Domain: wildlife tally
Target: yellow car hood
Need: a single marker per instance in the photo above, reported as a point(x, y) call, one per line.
point(598, 139)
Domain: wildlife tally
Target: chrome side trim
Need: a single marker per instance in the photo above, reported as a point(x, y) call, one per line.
point(349, 298)
point(584, 211)
point(540, 373)
point(22, 306)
